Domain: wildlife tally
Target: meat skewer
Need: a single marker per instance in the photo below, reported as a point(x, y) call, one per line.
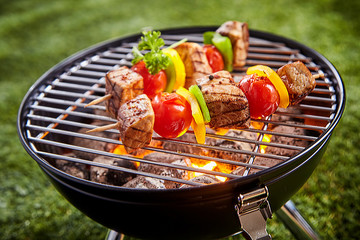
point(195, 62)
point(298, 80)
point(226, 102)
point(121, 85)
point(238, 32)
point(135, 123)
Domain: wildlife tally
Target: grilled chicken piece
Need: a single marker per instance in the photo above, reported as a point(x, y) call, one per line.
point(298, 80)
point(136, 122)
point(195, 62)
point(238, 33)
point(123, 84)
point(226, 102)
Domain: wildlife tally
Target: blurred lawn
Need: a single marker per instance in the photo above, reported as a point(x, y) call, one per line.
point(37, 34)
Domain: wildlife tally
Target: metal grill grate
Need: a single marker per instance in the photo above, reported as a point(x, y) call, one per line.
point(57, 112)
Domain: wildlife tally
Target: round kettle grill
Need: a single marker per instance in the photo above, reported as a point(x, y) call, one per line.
point(52, 112)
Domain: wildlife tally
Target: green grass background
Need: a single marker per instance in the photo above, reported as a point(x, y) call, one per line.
point(37, 34)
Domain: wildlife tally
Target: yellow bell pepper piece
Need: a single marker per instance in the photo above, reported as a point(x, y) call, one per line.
point(198, 124)
point(279, 85)
point(179, 67)
point(200, 132)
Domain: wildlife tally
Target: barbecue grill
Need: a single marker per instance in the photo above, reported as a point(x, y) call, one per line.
point(259, 184)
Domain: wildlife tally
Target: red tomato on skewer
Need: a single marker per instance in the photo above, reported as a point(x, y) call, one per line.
point(214, 57)
point(153, 84)
point(172, 114)
point(261, 94)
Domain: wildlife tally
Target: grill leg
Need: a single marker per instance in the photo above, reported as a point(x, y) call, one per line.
point(112, 235)
point(296, 223)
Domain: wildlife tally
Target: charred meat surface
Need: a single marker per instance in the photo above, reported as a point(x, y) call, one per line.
point(123, 84)
point(226, 102)
point(136, 123)
point(195, 62)
point(298, 81)
point(238, 33)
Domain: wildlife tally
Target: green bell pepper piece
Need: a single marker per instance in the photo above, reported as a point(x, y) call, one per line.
point(223, 44)
point(195, 90)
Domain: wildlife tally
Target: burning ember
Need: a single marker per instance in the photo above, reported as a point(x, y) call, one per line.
point(209, 166)
point(267, 139)
point(223, 140)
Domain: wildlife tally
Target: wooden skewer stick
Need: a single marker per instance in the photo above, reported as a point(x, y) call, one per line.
point(99, 100)
point(319, 75)
point(104, 128)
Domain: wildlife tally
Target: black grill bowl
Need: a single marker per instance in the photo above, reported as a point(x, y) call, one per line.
point(204, 212)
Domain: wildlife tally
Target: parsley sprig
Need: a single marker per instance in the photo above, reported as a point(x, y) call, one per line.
point(154, 58)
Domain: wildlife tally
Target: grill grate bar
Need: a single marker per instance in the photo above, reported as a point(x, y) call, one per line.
point(79, 79)
point(79, 87)
point(70, 112)
point(272, 57)
point(89, 73)
point(69, 93)
point(98, 67)
point(295, 125)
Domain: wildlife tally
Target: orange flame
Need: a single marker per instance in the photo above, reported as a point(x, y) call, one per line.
point(221, 131)
point(209, 166)
point(120, 150)
point(267, 139)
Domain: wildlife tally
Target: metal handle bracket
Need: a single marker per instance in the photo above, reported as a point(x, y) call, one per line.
point(253, 209)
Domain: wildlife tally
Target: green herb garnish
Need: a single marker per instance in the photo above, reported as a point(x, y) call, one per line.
point(154, 59)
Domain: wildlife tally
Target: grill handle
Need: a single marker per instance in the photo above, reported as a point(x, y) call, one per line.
point(296, 223)
point(253, 209)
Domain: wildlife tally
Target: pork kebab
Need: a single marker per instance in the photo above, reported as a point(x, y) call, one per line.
point(216, 100)
point(157, 79)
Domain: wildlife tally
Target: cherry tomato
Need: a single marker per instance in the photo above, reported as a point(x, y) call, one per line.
point(261, 94)
point(172, 114)
point(214, 57)
point(153, 84)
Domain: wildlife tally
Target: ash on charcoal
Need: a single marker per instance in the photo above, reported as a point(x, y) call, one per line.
point(207, 179)
point(281, 151)
point(75, 169)
point(239, 171)
point(188, 147)
point(109, 176)
point(93, 144)
point(166, 171)
point(266, 162)
point(145, 183)
point(293, 141)
point(234, 144)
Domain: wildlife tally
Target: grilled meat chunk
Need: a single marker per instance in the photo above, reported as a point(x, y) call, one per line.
point(123, 84)
point(136, 122)
point(195, 62)
point(298, 81)
point(238, 33)
point(226, 102)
